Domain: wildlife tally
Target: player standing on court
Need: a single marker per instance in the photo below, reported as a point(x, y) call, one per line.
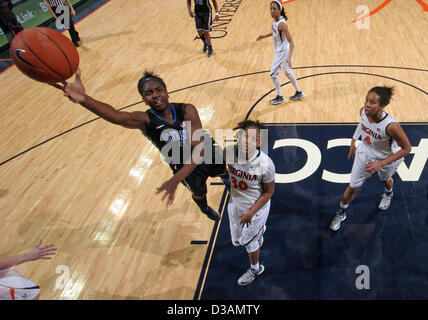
point(8, 22)
point(384, 146)
point(203, 21)
point(284, 47)
point(53, 6)
point(162, 124)
point(252, 175)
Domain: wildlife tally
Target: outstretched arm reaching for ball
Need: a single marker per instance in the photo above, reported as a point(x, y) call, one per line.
point(75, 91)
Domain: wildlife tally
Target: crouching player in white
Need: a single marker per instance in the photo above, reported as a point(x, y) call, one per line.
point(384, 146)
point(252, 175)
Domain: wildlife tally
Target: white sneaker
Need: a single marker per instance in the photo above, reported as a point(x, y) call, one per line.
point(385, 202)
point(250, 275)
point(337, 220)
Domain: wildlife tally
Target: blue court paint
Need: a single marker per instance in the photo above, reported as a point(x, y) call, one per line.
point(303, 258)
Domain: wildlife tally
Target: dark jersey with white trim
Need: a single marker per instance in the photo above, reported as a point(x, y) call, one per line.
point(173, 141)
point(161, 133)
point(202, 6)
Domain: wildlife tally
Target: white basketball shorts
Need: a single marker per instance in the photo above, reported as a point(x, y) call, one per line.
point(247, 236)
point(280, 64)
point(359, 175)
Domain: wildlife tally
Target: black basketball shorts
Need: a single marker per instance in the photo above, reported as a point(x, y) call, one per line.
point(196, 181)
point(203, 21)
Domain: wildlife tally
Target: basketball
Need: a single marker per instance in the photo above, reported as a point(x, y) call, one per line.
point(44, 54)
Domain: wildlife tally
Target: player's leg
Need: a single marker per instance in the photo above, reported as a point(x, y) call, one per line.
point(196, 183)
point(235, 228)
point(199, 23)
point(385, 175)
point(358, 176)
point(252, 240)
point(201, 35)
point(73, 33)
point(289, 74)
point(274, 75)
point(207, 23)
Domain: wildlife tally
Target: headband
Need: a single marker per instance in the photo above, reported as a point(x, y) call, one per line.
point(279, 3)
point(143, 81)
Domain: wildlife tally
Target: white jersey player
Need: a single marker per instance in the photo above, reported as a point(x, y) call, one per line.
point(383, 147)
point(284, 47)
point(13, 286)
point(252, 175)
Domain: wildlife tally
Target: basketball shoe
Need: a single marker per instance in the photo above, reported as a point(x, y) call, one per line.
point(298, 95)
point(277, 100)
point(250, 275)
point(211, 213)
point(210, 51)
point(385, 202)
point(337, 220)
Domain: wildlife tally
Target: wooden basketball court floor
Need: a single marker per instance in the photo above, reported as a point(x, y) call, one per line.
point(89, 186)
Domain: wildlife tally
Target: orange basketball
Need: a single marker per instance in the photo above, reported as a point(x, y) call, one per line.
point(44, 54)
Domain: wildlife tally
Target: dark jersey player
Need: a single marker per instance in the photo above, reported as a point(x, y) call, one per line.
point(203, 21)
point(161, 124)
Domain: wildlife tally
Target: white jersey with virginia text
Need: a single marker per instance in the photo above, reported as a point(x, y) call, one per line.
point(247, 179)
point(280, 42)
point(375, 141)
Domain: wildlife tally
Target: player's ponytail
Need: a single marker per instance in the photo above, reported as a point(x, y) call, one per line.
point(283, 14)
point(385, 93)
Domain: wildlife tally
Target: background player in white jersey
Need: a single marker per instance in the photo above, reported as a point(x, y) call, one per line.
point(13, 286)
point(252, 175)
point(384, 146)
point(284, 47)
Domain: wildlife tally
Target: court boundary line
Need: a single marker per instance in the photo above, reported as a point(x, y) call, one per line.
point(210, 248)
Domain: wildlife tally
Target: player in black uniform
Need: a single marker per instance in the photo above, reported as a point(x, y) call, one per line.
point(163, 123)
point(203, 21)
point(8, 22)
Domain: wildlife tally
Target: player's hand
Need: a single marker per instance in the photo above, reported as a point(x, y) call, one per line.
point(245, 219)
point(289, 62)
point(373, 166)
point(169, 188)
point(191, 14)
point(75, 91)
point(351, 153)
point(39, 252)
point(73, 13)
point(217, 17)
point(260, 38)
